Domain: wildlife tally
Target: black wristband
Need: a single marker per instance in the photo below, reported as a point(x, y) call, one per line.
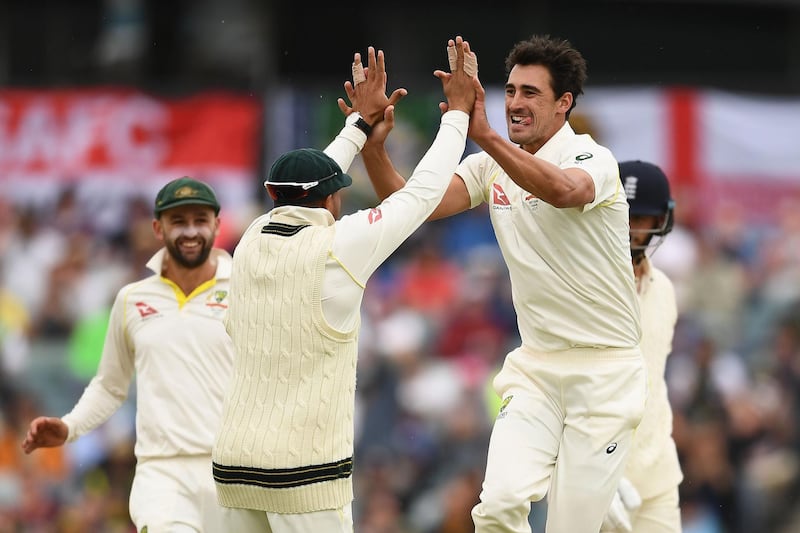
point(363, 126)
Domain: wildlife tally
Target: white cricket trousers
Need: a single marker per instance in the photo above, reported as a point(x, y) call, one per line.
point(329, 521)
point(178, 495)
point(564, 430)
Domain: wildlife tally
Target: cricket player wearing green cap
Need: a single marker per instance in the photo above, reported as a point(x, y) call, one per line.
point(166, 330)
point(284, 452)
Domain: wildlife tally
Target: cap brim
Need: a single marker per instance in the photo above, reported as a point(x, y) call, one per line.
point(331, 186)
point(293, 194)
point(189, 201)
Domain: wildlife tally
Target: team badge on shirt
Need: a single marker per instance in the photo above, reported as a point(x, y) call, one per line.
point(531, 202)
point(216, 302)
point(217, 299)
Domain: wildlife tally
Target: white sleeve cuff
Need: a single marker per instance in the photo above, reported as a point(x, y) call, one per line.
point(456, 117)
point(353, 134)
point(346, 145)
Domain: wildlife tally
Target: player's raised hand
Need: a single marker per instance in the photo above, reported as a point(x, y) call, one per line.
point(45, 432)
point(459, 85)
point(367, 91)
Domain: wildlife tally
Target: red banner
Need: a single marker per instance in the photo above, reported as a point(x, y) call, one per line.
point(63, 134)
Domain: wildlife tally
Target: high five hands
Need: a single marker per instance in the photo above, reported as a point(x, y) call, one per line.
point(367, 91)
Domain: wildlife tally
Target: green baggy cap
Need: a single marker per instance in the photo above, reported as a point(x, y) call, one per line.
point(185, 191)
point(303, 175)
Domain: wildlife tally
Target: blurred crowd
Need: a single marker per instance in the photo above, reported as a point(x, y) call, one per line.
point(437, 321)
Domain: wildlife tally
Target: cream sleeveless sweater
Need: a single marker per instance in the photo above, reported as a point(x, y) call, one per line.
point(286, 443)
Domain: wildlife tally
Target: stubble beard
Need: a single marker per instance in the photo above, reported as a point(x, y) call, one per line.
point(184, 261)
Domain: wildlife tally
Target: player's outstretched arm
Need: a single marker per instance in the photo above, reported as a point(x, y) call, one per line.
point(45, 432)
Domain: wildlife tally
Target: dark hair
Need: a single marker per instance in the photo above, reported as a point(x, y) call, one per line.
point(566, 65)
point(290, 196)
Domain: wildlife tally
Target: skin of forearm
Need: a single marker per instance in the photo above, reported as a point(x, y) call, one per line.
point(384, 177)
point(537, 176)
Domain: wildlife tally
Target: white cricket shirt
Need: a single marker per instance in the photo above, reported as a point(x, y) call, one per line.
point(571, 275)
point(177, 348)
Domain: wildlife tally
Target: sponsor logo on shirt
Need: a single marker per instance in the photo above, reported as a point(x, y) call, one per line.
point(583, 157)
point(374, 215)
point(500, 200)
point(145, 310)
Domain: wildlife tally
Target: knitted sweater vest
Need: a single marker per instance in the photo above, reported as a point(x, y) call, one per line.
point(286, 440)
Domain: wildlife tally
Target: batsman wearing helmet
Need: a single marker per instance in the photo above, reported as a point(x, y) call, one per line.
point(647, 497)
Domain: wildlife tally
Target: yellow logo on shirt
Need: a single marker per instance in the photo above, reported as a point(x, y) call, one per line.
point(506, 401)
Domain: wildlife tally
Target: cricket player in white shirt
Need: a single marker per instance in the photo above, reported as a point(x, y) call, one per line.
point(166, 330)
point(647, 498)
point(575, 390)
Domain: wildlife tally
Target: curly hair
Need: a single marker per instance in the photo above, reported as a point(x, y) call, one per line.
point(566, 65)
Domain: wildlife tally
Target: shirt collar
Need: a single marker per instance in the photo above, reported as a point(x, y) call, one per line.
point(298, 215)
point(554, 144)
